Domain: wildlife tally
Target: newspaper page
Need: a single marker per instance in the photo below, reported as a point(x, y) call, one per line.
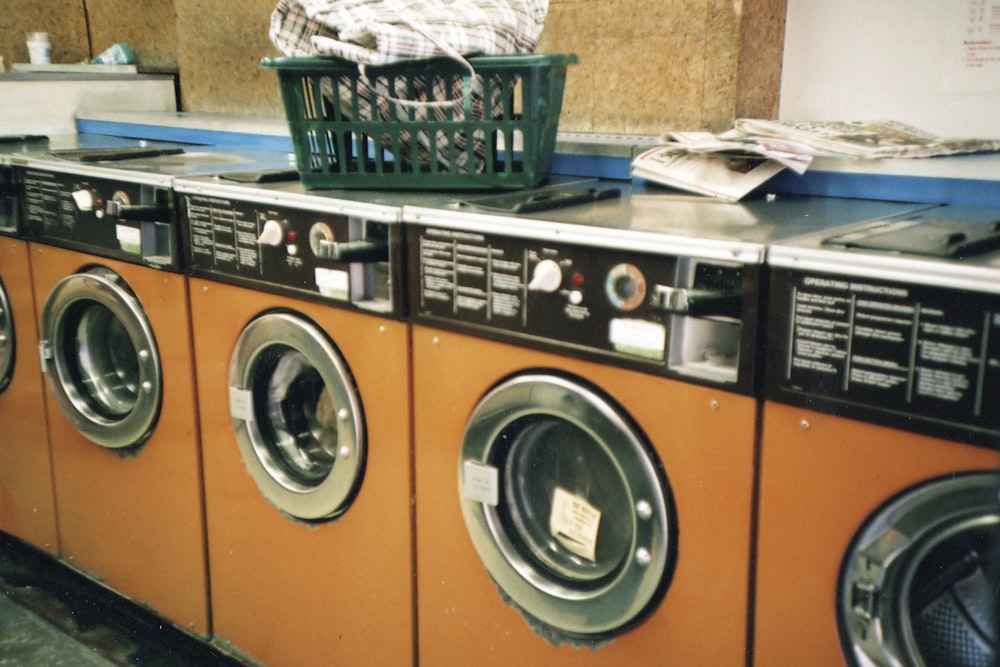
point(874, 139)
point(725, 176)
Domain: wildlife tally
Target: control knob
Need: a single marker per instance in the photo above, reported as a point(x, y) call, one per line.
point(546, 276)
point(84, 199)
point(625, 287)
point(271, 234)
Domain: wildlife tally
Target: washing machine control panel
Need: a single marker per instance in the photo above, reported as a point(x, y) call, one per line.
point(670, 315)
point(919, 357)
point(121, 219)
point(344, 260)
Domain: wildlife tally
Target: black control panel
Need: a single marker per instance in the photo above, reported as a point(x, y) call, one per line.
point(922, 358)
point(668, 315)
point(338, 259)
point(114, 218)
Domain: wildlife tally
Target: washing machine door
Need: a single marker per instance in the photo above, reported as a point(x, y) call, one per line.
point(7, 340)
point(567, 507)
point(101, 359)
point(919, 584)
point(297, 416)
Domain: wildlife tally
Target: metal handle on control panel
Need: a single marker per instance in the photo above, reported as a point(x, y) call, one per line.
point(698, 302)
point(149, 213)
point(355, 251)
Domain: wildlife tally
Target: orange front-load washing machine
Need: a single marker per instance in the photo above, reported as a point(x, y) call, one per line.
point(584, 442)
point(303, 376)
point(27, 503)
point(879, 528)
point(586, 419)
point(115, 343)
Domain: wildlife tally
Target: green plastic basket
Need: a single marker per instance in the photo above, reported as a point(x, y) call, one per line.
point(374, 130)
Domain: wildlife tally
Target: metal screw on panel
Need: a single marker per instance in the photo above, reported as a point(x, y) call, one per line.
point(345, 452)
point(644, 509)
point(147, 386)
point(714, 404)
point(143, 355)
point(805, 424)
point(643, 557)
point(435, 341)
point(343, 414)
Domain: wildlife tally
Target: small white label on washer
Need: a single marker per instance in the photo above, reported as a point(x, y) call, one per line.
point(240, 401)
point(574, 522)
point(129, 238)
point(481, 483)
point(639, 338)
point(334, 284)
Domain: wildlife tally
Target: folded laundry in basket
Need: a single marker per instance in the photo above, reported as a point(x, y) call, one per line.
point(379, 32)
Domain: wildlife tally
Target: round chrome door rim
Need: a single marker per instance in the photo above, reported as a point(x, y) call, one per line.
point(625, 596)
point(331, 496)
point(875, 583)
point(102, 288)
point(8, 348)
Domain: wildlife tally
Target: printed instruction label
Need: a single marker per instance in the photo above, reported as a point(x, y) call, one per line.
point(334, 284)
point(130, 238)
point(481, 483)
point(639, 338)
point(240, 401)
point(575, 522)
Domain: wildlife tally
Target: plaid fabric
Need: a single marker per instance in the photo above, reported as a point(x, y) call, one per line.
point(377, 32)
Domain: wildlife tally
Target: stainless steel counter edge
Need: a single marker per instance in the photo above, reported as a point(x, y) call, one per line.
point(544, 230)
point(306, 200)
point(879, 266)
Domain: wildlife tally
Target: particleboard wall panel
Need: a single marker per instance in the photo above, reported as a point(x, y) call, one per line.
point(220, 45)
point(762, 36)
point(149, 27)
point(64, 20)
point(646, 66)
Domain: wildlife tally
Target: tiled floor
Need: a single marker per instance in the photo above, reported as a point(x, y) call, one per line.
point(52, 616)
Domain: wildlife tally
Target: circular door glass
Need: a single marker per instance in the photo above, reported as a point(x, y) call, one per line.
point(297, 416)
point(919, 586)
point(102, 359)
point(7, 350)
point(548, 461)
point(567, 507)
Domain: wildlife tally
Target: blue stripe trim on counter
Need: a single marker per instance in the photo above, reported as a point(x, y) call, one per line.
point(929, 190)
point(186, 135)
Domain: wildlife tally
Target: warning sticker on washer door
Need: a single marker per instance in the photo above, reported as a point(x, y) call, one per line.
point(574, 522)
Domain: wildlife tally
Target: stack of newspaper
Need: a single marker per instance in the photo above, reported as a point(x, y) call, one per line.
point(731, 165)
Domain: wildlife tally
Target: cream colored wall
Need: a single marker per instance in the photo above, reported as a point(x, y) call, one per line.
point(646, 66)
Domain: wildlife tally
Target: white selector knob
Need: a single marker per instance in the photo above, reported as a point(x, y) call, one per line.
point(84, 200)
point(547, 276)
point(272, 234)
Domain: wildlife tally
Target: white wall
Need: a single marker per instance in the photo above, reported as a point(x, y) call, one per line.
point(932, 63)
